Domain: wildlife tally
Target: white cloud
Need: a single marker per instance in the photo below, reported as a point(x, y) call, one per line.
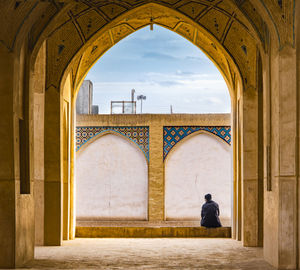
point(164, 67)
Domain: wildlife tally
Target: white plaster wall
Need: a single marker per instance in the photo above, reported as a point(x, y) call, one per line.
point(111, 180)
point(198, 165)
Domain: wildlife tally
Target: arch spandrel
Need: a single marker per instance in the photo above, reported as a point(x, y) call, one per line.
point(61, 47)
point(235, 26)
point(170, 20)
point(75, 68)
point(91, 55)
point(108, 39)
point(40, 18)
point(278, 16)
point(141, 18)
point(13, 23)
point(179, 17)
point(245, 51)
point(282, 15)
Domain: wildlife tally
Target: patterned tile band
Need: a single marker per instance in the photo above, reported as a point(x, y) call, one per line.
point(139, 135)
point(173, 135)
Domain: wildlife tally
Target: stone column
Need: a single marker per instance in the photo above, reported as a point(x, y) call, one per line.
point(7, 162)
point(298, 121)
point(53, 173)
point(72, 223)
point(287, 155)
point(38, 88)
point(281, 194)
point(249, 168)
point(65, 155)
point(234, 141)
point(239, 169)
point(156, 173)
point(66, 172)
point(271, 184)
point(16, 199)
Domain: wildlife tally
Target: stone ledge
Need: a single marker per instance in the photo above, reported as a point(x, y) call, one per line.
point(95, 222)
point(152, 232)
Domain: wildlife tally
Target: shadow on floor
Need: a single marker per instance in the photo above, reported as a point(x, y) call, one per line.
point(160, 253)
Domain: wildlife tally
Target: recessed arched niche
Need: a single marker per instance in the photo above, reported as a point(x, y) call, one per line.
point(112, 180)
point(199, 164)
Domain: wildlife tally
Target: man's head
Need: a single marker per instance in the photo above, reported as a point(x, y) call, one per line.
point(207, 197)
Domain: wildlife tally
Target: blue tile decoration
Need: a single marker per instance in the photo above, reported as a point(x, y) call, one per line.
point(139, 135)
point(173, 135)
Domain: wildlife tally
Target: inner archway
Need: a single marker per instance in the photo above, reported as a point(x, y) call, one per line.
point(84, 121)
point(217, 54)
point(236, 62)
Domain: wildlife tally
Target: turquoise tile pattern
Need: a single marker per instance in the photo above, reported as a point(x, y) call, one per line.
point(173, 135)
point(138, 135)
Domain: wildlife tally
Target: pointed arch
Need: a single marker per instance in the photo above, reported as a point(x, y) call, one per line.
point(237, 60)
point(172, 19)
point(199, 164)
point(112, 180)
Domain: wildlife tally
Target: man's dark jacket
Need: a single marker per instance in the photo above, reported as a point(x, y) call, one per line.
point(210, 215)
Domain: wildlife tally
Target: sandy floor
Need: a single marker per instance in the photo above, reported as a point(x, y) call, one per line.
point(170, 253)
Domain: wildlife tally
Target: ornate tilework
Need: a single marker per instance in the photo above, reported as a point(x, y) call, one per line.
point(139, 135)
point(173, 135)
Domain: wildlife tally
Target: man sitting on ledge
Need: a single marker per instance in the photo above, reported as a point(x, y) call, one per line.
point(210, 213)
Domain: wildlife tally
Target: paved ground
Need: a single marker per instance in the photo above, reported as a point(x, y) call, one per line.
point(170, 253)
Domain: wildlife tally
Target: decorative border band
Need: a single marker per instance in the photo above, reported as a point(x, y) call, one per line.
point(173, 135)
point(139, 135)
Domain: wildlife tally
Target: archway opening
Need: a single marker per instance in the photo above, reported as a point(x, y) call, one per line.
point(189, 79)
point(173, 74)
point(236, 62)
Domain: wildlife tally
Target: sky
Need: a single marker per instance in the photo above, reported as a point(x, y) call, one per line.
point(163, 66)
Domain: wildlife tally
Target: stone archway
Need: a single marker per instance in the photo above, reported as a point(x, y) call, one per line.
point(237, 65)
point(270, 27)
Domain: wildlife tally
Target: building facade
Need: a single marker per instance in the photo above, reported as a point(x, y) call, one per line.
point(115, 166)
point(84, 100)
